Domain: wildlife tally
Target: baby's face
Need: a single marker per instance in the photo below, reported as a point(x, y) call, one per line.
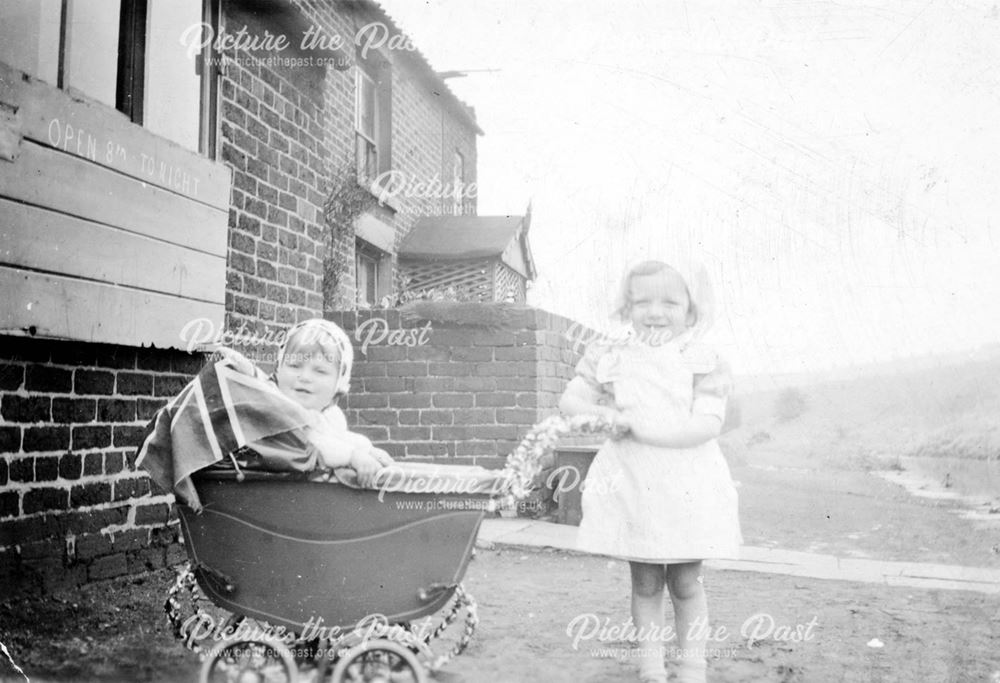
point(659, 305)
point(309, 379)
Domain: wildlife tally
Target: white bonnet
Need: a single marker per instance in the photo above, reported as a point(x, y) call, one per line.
point(318, 326)
point(699, 288)
point(701, 292)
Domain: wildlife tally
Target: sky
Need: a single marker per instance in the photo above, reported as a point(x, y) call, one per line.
point(832, 165)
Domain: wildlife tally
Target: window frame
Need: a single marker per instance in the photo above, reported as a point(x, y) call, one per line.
point(129, 97)
point(131, 68)
point(377, 71)
point(458, 184)
point(211, 73)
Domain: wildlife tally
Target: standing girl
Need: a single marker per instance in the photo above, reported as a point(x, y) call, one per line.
point(666, 500)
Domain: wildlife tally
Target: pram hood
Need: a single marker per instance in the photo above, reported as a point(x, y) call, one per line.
point(220, 411)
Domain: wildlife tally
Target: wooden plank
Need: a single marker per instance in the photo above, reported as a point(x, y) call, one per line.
point(39, 239)
point(10, 135)
point(66, 308)
point(63, 182)
point(93, 131)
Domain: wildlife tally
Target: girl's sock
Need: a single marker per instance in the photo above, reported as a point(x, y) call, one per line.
point(651, 666)
point(653, 678)
point(692, 670)
point(691, 619)
point(651, 649)
point(648, 620)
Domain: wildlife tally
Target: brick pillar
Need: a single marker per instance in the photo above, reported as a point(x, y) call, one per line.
point(445, 381)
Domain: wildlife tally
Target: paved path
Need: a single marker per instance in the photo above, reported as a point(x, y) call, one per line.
point(530, 533)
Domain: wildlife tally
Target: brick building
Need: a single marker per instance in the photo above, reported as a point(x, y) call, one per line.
point(169, 171)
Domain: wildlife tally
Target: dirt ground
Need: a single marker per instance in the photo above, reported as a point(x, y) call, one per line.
point(799, 490)
point(116, 631)
point(528, 601)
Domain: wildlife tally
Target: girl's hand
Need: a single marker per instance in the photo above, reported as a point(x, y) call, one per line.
point(686, 434)
point(620, 422)
point(642, 429)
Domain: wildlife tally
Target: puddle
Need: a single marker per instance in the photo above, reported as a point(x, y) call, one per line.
point(780, 468)
point(922, 477)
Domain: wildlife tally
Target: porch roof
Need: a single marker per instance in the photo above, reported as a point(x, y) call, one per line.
point(453, 238)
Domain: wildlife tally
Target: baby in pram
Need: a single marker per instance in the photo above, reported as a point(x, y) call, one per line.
point(313, 370)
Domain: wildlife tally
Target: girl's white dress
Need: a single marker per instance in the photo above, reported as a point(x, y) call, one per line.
point(648, 503)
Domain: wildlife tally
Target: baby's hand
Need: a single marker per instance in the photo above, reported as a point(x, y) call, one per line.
point(382, 456)
point(367, 462)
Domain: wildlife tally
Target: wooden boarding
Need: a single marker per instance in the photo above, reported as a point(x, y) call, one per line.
point(79, 126)
point(40, 239)
point(62, 182)
point(110, 233)
point(64, 307)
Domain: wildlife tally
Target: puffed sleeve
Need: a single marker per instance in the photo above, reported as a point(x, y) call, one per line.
point(592, 368)
point(712, 390)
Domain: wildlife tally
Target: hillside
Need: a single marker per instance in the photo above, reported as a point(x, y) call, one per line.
point(943, 408)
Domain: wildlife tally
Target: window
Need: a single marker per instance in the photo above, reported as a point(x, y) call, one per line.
point(127, 54)
point(90, 48)
point(365, 117)
point(372, 118)
point(29, 37)
point(171, 89)
point(372, 274)
point(367, 280)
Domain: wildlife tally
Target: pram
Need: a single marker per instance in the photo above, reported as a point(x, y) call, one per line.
point(318, 579)
point(335, 582)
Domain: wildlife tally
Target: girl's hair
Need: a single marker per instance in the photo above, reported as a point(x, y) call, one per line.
point(624, 300)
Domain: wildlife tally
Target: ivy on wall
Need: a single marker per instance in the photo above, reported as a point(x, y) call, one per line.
point(344, 204)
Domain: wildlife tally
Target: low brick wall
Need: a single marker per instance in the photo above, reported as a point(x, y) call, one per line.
point(456, 383)
point(72, 509)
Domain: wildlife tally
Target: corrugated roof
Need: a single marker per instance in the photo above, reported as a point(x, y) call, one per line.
point(418, 59)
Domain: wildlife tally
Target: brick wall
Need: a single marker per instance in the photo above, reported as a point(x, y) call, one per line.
point(285, 132)
point(71, 507)
point(471, 392)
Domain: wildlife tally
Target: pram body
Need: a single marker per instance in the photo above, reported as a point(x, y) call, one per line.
point(295, 550)
point(305, 555)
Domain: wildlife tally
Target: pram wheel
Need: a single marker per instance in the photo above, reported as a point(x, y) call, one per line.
point(244, 660)
point(378, 661)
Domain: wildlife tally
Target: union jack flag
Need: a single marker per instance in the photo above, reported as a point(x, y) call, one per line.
point(221, 411)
